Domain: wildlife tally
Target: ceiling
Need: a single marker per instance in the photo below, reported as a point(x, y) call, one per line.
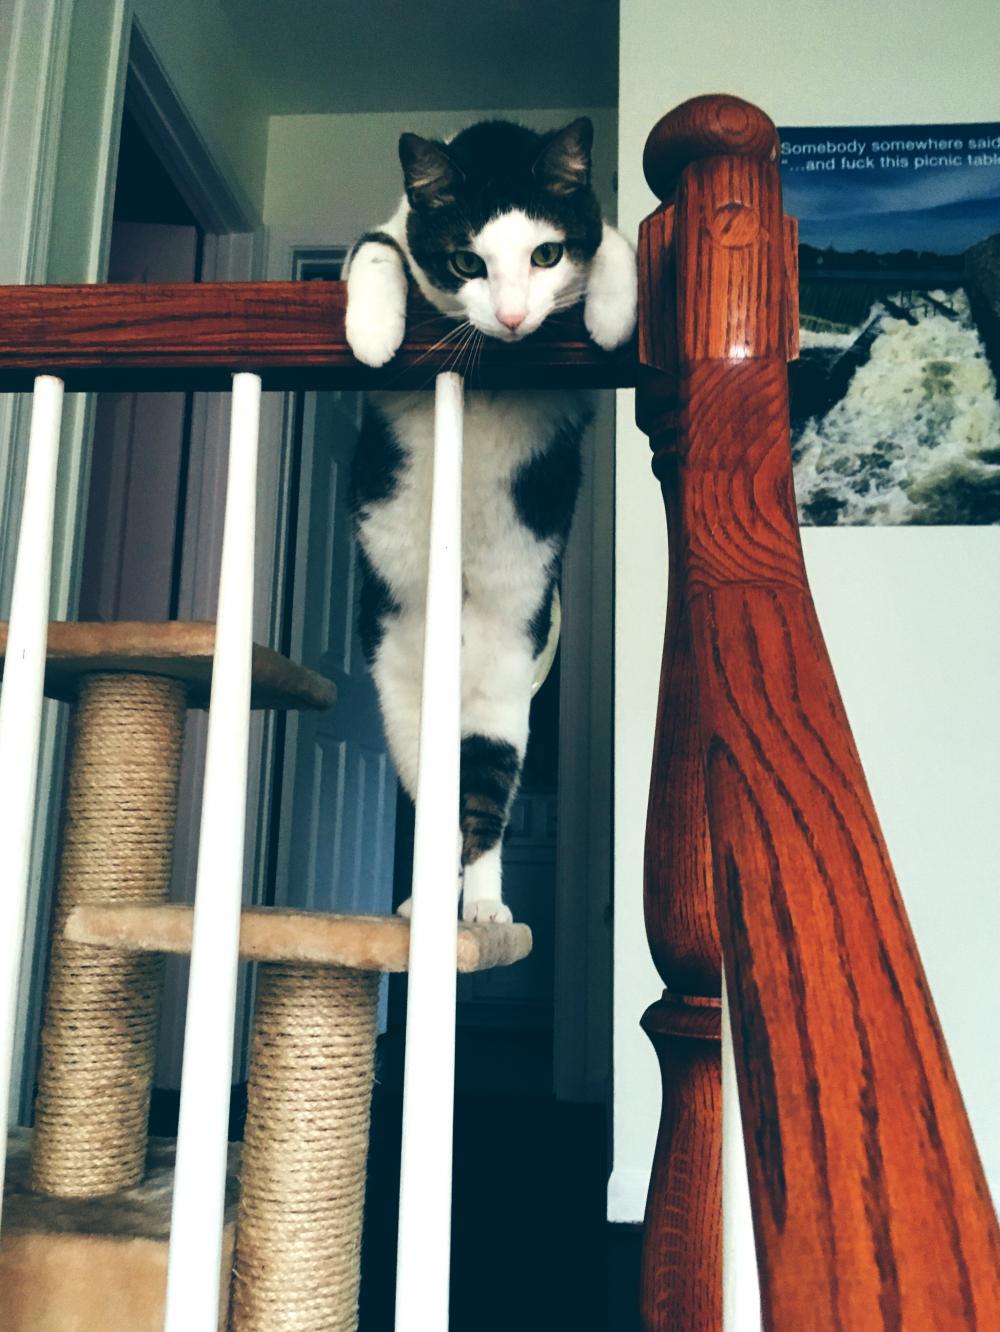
point(323, 56)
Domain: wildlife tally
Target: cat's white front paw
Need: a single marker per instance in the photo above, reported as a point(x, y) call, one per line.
point(610, 316)
point(484, 910)
point(612, 291)
point(374, 334)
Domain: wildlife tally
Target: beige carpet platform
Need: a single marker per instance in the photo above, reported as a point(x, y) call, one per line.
point(268, 934)
point(177, 650)
point(93, 1264)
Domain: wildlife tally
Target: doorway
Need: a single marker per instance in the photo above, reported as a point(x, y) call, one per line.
point(134, 526)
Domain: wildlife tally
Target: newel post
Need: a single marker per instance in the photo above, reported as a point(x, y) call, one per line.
point(681, 1286)
point(869, 1202)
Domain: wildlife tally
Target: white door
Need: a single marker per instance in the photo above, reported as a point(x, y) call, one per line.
point(339, 799)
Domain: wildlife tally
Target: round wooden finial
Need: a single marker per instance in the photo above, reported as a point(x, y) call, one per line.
point(715, 125)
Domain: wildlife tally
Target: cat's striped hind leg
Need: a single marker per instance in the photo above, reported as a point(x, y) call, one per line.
point(491, 770)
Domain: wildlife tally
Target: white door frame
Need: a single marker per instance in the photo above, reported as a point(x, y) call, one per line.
point(584, 849)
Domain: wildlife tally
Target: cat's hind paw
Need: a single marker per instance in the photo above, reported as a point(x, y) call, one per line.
point(484, 910)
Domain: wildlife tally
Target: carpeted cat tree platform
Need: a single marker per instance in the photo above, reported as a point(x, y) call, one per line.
point(87, 1198)
point(79, 1264)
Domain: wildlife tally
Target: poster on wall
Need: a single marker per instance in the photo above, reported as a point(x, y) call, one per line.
point(894, 402)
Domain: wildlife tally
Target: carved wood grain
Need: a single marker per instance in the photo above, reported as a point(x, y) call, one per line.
point(678, 896)
point(870, 1204)
point(708, 126)
point(682, 1212)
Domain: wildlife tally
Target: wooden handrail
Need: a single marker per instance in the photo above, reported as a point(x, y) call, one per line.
point(196, 335)
point(870, 1205)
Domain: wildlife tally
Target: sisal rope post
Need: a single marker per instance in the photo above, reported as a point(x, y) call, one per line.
point(99, 1033)
point(298, 1241)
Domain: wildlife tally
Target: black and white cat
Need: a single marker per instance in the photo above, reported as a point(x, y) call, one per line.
point(498, 229)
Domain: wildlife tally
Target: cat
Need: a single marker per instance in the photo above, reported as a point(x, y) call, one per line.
point(498, 228)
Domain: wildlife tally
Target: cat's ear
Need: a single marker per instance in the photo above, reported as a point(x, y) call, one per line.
point(563, 165)
point(430, 175)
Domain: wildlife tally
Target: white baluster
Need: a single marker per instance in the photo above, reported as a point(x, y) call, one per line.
point(21, 709)
point(740, 1280)
point(200, 1178)
point(424, 1253)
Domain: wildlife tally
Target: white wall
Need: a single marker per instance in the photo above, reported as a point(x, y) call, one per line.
point(910, 615)
point(215, 78)
point(342, 173)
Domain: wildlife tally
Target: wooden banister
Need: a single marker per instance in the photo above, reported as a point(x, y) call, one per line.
point(870, 1205)
point(196, 335)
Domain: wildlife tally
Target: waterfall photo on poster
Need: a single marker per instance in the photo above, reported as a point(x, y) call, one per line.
point(894, 403)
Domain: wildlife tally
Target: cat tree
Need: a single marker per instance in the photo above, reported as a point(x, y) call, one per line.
point(87, 1208)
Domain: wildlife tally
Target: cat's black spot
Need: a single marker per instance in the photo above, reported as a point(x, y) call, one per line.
point(381, 238)
point(541, 622)
point(377, 463)
point(375, 605)
point(489, 169)
point(544, 489)
point(489, 774)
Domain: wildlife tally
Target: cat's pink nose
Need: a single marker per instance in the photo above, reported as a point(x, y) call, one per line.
point(511, 321)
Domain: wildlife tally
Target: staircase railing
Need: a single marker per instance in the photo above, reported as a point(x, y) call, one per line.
point(764, 852)
point(250, 337)
point(763, 849)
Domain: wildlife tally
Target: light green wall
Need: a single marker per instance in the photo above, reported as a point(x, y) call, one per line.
point(931, 745)
point(340, 173)
point(216, 80)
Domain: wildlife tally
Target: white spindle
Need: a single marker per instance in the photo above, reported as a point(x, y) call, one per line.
point(200, 1177)
point(21, 709)
point(424, 1254)
point(740, 1281)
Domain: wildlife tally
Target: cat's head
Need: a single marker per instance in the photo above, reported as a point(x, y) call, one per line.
point(503, 221)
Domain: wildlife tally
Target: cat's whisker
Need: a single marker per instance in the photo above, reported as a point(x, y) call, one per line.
point(474, 353)
point(431, 319)
point(468, 348)
point(470, 363)
point(456, 360)
point(450, 336)
point(567, 302)
point(457, 333)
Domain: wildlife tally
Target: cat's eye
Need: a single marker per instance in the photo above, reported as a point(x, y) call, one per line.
point(546, 255)
point(467, 264)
